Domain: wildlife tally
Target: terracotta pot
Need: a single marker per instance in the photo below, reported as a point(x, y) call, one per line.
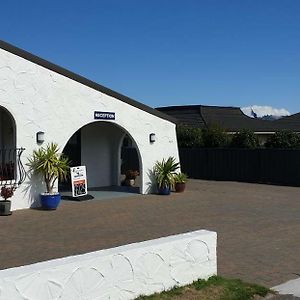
point(179, 187)
point(129, 182)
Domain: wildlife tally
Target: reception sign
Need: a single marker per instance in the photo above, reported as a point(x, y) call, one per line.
point(79, 182)
point(104, 115)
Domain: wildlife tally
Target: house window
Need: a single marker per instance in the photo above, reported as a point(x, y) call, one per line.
point(11, 168)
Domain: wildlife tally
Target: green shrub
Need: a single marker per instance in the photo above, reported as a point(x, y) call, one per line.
point(244, 139)
point(285, 139)
point(180, 178)
point(214, 137)
point(189, 137)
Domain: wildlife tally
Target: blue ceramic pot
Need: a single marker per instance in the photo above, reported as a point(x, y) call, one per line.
point(164, 191)
point(50, 201)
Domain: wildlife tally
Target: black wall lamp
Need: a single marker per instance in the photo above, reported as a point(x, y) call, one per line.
point(152, 138)
point(40, 137)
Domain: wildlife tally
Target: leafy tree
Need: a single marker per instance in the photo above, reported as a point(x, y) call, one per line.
point(214, 137)
point(245, 139)
point(189, 137)
point(286, 139)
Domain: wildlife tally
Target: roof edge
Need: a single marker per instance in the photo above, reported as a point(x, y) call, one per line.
point(80, 79)
point(196, 106)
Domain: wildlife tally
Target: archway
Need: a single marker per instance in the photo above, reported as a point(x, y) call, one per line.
point(100, 147)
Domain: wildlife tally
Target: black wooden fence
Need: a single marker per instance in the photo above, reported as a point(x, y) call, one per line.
point(274, 166)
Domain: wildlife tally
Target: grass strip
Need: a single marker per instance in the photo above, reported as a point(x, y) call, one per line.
point(214, 288)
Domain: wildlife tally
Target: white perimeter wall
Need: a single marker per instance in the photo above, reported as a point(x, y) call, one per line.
point(42, 100)
point(119, 273)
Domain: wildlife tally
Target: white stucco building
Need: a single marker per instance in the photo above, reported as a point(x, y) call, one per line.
point(38, 96)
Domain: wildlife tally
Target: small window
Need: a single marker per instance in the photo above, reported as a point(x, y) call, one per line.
point(11, 168)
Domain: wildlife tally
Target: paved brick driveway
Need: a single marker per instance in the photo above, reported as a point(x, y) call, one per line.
point(258, 227)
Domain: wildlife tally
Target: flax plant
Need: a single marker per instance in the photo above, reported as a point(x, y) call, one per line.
point(165, 172)
point(50, 164)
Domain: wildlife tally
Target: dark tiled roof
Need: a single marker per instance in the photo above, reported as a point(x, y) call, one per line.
point(232, 119)
point(291, 122)
point(48, 65)
point(188, 115)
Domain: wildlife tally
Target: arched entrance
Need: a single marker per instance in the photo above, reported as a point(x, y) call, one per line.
point(100, 147)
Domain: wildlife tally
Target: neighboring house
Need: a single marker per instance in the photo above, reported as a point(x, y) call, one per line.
point(231, 119)
point(88, 121)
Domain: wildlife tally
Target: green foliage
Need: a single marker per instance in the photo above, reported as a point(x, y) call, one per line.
point(165, 171)
point(285, 139)
point(234, 289)
point(180, 178)
point(231, 289)
point(189, 137)
point(244, 139)
point(166, 295)
point(214, 137)
point(49, 163)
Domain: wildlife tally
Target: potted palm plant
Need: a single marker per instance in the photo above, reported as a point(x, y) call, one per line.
point(180, 182)
point(164, 173)
point(52, 166)
point(5, 205)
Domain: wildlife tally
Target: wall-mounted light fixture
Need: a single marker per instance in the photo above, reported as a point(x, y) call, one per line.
point(152, 138)
point(40, 137)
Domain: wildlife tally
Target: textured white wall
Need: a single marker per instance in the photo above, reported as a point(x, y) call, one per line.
point(118, 273)
point(40, 99)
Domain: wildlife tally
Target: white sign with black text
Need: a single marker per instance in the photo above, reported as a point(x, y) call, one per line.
point(79, 182)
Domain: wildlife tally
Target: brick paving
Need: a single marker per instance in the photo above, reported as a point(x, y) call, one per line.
point(258, 227)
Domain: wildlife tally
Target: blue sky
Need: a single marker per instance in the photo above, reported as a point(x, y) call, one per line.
point(169, 52)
